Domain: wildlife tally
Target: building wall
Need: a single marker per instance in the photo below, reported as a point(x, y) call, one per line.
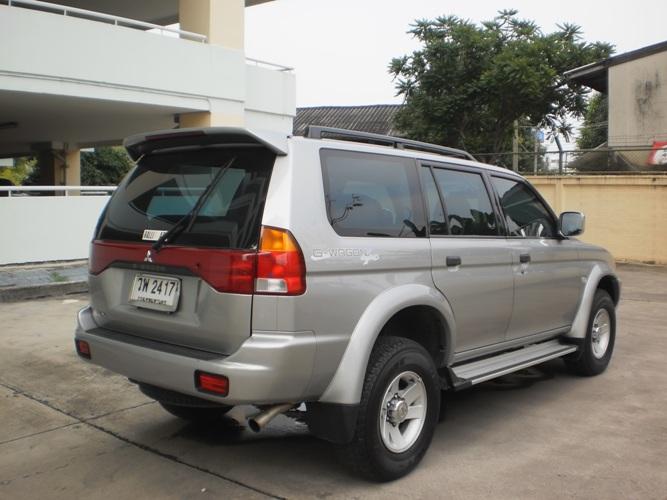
point(47, 228)
point(638, 101)
point(625, 214)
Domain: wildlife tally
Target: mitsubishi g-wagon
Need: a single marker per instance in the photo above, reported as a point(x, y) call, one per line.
point(351, 279)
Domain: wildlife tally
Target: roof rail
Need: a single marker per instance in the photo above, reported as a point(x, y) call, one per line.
point(316, 132)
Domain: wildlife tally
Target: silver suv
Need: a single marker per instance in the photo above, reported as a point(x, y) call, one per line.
point(354, 276)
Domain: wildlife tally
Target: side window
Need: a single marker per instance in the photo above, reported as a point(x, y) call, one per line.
point(526, 215)
point(467, 203)
point(434, 213)
point(372, 195)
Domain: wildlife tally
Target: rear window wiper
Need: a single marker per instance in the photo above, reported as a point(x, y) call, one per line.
point(185, 221)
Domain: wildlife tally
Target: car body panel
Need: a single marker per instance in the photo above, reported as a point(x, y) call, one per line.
point(316, 346)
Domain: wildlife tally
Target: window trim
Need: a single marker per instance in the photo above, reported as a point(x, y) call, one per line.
point(426, 208)
point(500, 222)
point(414, 184)
point(538, 196)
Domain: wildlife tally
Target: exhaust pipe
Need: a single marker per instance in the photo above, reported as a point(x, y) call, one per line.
point(259, 421)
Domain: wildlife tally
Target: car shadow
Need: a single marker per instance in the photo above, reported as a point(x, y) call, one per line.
point(466, 412)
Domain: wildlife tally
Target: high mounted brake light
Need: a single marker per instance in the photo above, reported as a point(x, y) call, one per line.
point(280, 266)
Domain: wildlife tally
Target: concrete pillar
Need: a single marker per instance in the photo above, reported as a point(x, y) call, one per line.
point(72, 169)
point(47, 162)
point(60, 168)
point(222, 21)
point(206, 119)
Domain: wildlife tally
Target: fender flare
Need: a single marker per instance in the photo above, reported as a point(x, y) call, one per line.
point(580, 324)
point(347, 383)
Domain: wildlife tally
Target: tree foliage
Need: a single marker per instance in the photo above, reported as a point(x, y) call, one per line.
point(105, 166)
point(467, 83)
point(593, 131)
point(19, 172)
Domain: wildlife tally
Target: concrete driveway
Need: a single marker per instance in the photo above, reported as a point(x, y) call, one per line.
point(71, 430)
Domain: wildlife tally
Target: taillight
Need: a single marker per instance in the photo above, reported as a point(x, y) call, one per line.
point(276, 268)
point(230, 271)
point(210, 382)
point(280, 266)
point(82, 348)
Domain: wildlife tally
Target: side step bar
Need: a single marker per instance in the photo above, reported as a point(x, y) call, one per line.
point(476, 372)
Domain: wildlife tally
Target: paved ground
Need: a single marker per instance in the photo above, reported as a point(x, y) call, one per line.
point(42, 274)
point(70, 430)
point(29, 281)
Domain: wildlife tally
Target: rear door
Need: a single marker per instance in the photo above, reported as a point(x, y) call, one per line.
point(196, 291)
point(472, 265)
point(547, 270)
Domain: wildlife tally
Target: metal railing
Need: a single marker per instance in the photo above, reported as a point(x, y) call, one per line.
point(269, 65)
point(99, 16)
point(83, 190)
point(626, 160)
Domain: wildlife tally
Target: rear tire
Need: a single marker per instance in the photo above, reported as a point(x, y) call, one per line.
point(595, 353)
point(398, 412)
point(196, 414)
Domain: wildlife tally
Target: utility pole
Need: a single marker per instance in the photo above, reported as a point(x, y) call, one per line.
point(515, 147)
point(535, 150)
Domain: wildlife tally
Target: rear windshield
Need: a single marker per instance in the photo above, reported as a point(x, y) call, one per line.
point(165, 187)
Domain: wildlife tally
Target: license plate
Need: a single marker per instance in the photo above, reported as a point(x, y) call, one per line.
point(155, 292)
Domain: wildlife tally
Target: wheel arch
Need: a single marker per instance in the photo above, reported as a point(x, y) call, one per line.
point(602, 277)
point(610, 284)
point(385, 315)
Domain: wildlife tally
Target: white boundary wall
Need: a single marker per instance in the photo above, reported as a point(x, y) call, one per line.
point(46, 228)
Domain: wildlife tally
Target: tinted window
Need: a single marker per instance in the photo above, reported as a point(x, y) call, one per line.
point(372, 195)
point(165, 187)
point(467, 203)
point(525, 214)
point(434, 211)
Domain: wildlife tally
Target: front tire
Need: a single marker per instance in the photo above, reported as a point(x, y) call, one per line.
point(398, 412)
point(596, 351)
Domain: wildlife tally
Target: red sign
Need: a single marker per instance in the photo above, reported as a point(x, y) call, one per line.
point(658, 155)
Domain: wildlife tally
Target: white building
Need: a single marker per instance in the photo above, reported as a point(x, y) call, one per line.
point(90, 72)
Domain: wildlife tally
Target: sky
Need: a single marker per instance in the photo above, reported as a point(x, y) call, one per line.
point(341, 49)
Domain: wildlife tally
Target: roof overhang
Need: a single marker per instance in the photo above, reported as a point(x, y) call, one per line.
point(592, 75)
point(595, 75)
point(30, 122)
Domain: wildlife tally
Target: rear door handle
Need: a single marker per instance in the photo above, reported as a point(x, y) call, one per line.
point(524, 258)
point(453, 261)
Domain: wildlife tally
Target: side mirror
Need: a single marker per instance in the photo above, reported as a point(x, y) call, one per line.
point(572, 223)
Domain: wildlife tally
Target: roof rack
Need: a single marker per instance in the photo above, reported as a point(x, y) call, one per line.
point(317, 132)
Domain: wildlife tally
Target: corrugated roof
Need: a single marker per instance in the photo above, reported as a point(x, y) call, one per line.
point(377, 119)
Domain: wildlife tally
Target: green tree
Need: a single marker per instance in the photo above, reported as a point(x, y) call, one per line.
point(593, 131)
point(19, 172)
point(467, 84)
point(105, 166)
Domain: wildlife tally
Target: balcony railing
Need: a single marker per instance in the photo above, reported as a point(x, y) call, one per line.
point(269, 65)
point(107, 18)
point(33, 190)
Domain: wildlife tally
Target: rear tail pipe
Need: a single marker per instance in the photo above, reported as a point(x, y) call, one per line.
point(259, 421)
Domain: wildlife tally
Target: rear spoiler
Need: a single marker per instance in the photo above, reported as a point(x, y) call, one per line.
point(151, 142)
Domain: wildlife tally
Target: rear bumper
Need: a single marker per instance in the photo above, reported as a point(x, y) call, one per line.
point(269, 367)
